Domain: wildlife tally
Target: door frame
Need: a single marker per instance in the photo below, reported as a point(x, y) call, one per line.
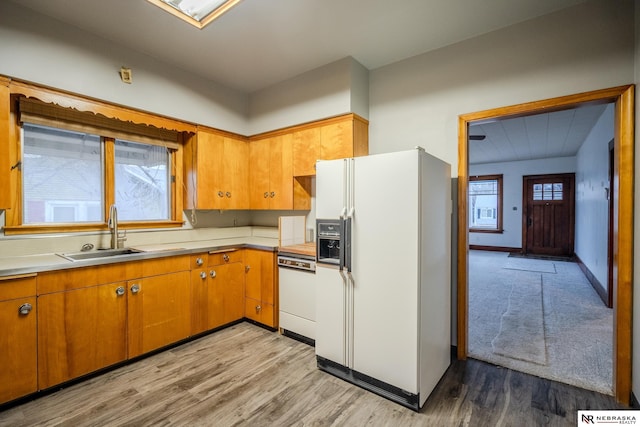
point(624, 99)
point(525, 207)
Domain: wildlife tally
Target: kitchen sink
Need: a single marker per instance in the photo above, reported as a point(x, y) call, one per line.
point(99, 254)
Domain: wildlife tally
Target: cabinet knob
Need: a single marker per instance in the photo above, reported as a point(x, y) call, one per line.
point(225, 257)
point(135, 288)
point(120, 291)
point(247, 268)
point(25, 309)
point(258, 308)
point(228, 194)
point(220, 194)
point(266, 194)
point(199, 261)
point(203, 275)
point(273, 194)
point(212, 273)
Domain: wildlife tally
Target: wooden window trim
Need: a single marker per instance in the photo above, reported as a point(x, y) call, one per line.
point(59, 99)
point(498, 229)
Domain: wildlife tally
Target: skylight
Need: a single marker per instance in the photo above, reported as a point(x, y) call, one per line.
point(198, 13)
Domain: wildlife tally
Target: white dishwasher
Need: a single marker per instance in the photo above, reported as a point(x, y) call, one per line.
point(297, 296)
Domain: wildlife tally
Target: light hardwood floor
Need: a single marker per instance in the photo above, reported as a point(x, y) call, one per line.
point(247, 376)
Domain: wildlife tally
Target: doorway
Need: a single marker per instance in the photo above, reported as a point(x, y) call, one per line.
point(623, 97)
point(548, 219)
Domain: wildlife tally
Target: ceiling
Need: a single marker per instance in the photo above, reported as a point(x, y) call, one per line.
point(263, 42)
point(539, 136)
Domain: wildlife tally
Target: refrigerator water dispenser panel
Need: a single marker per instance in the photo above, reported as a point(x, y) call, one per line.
point(328, 241)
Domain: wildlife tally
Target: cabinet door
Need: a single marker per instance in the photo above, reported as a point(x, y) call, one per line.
point(281, 172)
point(159, 311)
point(236, 173)
point(18, 372)
point(227, 284)
point(306, 150)
point(336, 140)
point(260, 286)
point(209, 169)
point(80, 331)
point(259, 185)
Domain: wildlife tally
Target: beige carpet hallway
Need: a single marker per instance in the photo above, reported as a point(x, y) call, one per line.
point(539, 317)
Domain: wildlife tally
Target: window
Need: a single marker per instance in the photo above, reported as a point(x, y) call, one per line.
point(141, 181)
point(485, 203)
point(547, 191)
point(62, 176)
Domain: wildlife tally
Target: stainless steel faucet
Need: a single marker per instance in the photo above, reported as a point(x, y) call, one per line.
point(117, 239)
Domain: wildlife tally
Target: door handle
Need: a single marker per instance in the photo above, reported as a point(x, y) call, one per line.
point(529, 222)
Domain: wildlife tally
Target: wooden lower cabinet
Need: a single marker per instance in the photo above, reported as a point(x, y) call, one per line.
point(80, 331)
point(260, 287)
point(18, 340)
point(159, 311)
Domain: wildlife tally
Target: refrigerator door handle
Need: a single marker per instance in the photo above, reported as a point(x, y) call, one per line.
point(345, 245)
point(341, 253)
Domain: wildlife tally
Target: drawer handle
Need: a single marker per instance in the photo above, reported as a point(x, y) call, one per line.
point(25, 309)
point(199, 261)
point(120, 291)
point(225, 257)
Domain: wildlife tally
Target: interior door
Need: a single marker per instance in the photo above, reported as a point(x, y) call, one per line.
point(548, 221)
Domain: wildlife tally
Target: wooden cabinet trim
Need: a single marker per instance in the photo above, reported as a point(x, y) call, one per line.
point(308, 125)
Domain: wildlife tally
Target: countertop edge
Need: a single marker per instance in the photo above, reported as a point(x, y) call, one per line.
point(52, 262)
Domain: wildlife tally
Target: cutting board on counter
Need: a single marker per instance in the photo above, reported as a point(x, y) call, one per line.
point(308, 249)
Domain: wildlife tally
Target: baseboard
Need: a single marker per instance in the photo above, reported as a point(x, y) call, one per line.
point(595, 283)
point(494, 248)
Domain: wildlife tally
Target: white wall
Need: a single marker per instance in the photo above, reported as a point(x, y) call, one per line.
point(417, 101)
point(337, 88)
point(592, 205)
point(512, 173)
point(45, 51)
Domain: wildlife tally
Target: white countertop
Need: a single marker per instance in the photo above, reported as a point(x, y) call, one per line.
point(26, 264)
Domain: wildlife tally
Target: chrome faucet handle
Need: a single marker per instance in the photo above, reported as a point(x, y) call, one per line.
point(122, 236)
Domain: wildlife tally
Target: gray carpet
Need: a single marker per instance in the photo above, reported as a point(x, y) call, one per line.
point(521, 335)
point(542, 319)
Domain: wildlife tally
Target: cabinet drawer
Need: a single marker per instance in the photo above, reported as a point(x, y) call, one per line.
point(225, 257)
point(199, 261)
point(13, 287)
point(64, 280)
point(157, 266)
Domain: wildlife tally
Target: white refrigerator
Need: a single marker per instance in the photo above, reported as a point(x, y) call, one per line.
point(383, 313)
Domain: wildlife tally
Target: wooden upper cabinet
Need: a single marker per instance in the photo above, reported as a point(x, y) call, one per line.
point(216, 171)
point(335, 138)
point(5, 140)
point(271, 173)
point(306, 150)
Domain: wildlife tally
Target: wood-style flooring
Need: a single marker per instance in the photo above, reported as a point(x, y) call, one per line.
point(248, 376)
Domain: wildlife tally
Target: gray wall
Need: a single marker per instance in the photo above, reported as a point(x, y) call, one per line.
point(39, 49)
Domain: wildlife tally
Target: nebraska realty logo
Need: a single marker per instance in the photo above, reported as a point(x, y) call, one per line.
point(620, 418)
